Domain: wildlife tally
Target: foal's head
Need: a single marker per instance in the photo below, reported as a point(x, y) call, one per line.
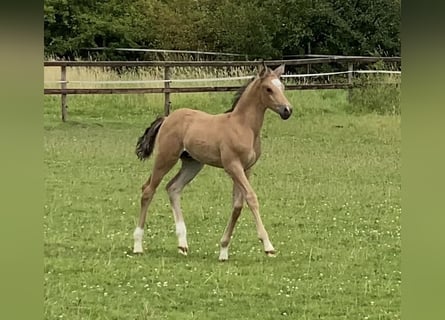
point(272, 91)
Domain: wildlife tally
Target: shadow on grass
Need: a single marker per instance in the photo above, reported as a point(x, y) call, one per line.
point(90, 124)
point(172, 256)
point(152, 254)
point(71, 124)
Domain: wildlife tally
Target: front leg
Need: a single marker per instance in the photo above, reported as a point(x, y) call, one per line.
point(239, 177)
point(237, 204)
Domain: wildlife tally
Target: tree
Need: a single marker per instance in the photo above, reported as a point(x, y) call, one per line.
point(257, 28)
point(71, 26)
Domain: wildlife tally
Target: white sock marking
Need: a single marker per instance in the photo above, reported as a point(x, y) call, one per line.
point(137, 235)
point(268, 246)
point(181, 232)
point(224, 253)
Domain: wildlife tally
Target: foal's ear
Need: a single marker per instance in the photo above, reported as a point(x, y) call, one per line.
point(279, 71)
point(263, 70)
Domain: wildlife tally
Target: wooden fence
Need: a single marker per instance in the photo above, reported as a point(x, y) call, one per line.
point(307, 61)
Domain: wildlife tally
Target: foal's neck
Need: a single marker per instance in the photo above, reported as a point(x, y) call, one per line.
point(250, 110)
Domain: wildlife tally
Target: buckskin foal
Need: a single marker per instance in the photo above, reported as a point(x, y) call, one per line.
point(230, 141)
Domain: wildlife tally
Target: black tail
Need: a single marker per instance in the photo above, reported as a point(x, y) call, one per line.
point(146, 142)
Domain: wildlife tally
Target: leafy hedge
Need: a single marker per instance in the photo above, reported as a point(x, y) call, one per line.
point(257, 28)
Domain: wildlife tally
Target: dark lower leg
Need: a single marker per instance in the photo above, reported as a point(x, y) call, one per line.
point(236, 211)
point(149, 189)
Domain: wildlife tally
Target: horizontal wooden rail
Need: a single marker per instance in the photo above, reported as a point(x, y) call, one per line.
point(217, 63)
point(300, 56)
point(204, 53)
point(185, 89)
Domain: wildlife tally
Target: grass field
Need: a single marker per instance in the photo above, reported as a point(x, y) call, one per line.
point(329, 187)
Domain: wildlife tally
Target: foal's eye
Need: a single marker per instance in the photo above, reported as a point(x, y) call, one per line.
point(269, 90)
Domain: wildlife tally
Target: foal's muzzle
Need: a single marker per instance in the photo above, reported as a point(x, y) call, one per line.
point(285, 112)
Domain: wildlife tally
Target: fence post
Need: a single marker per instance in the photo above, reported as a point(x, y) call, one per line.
point(308, 66)
point(63, 86)
point(167, 74)
point(350, 71)
point(350, 79)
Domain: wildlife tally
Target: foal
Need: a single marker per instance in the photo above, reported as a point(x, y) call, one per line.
point(230, 141)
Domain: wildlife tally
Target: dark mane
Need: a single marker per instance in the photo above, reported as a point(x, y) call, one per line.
point(238, 95)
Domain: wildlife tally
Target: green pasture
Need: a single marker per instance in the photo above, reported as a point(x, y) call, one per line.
point(329, 187)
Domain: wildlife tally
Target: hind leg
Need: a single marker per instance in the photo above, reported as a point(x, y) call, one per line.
point(162, 165)
point(190, 168)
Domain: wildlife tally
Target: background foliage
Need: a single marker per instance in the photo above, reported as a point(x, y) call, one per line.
point(260, 29)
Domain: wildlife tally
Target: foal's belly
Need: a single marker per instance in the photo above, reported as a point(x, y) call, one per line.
point(203, 151)
point(208, 152)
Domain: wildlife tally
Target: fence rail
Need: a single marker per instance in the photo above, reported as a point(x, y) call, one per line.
point(167, 89)
point(292, 62)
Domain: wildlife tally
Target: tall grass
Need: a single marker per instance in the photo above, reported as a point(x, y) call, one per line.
point(91, 74)
point(377, 93)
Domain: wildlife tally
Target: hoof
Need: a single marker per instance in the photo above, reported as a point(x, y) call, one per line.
point(223, 257)
point(183, 250)
point(271, 254)
point(224, 254)
point(138, 249)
